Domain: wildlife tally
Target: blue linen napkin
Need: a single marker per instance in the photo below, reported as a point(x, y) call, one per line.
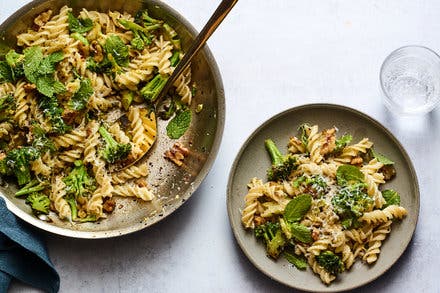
point(23, 255)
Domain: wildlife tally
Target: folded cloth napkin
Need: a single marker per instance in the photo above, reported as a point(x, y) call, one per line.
point(23, 255)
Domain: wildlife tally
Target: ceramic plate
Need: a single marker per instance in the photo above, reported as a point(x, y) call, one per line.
point(253, 161)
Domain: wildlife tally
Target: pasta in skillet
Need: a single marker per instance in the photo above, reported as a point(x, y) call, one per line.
point(70, 97)
point(323, 205)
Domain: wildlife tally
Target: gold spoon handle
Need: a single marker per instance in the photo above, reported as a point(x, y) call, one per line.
point(209, 28)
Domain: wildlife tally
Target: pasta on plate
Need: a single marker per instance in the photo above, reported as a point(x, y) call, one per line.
point(323, 205)
point(70, 108)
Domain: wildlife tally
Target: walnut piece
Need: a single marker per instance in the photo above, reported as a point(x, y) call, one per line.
point(109, 205)
point(356, 161)
point(177, 154)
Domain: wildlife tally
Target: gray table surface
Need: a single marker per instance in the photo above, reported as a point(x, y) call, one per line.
point(273, 55)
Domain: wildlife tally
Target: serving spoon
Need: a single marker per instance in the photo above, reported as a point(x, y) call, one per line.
point(214, 21)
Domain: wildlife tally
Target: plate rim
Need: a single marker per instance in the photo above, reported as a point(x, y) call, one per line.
point(332, 106)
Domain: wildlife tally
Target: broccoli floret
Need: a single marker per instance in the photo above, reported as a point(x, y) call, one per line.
point(33, 186)
point(79, 182)
point(17, 162)
point(4, 168)
point(152, 90)
point(171, 35)
point(41, 142)
point(351, 202)
point(142, 17)
point(127, 99)
point(7, 106)
point(39, 203)
point(141, 33)
point(53, 111)
point(342, 142)
point(12, 68)
point(272, 236)
point(282, 166)
point(330, 262)
point(318, 184)
point(113, 150)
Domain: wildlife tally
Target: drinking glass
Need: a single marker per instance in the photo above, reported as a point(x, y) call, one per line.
point(410, 80)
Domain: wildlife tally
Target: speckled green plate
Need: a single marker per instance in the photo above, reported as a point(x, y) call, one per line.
point(253, 161)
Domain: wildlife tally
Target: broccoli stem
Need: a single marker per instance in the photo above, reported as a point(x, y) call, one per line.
point(89, 218)
point(135, 27)
point(73, 208)
point(107, 136)
point(31, 187)
point(151, 91)
point(79, 37)
point(175, 58)
point(142, 16)
point(275, 154)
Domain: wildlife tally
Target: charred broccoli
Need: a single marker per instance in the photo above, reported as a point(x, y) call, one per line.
point(7, 105)
point(39, 203)
point(282, 166)
point(141, 34)
point(272, 236)
point(17, 162)
point(79, 182)
point(113, 150)
point(152, 89)
point(41, 142)
point(330, 262)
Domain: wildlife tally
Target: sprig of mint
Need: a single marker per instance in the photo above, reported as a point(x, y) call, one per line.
point(39, 70)
point(294, 212)
point(348, 175)
point(298, 261)
point(297, 208)
point(179, 124)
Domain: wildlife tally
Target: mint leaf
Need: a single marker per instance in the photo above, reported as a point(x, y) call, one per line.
point(47, 65)
point(391, 197)
point(33, 56)
point(48, 86)
point(381, 158)
point(301, 233)
point(79, 25)
point(39, 70)
point(81, 97)
point(348, 175)
point(297, 208)
point(298, 261)
point(117, 48)
point(179, 124)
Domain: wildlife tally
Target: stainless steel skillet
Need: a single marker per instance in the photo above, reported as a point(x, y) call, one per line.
point(174, 185)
